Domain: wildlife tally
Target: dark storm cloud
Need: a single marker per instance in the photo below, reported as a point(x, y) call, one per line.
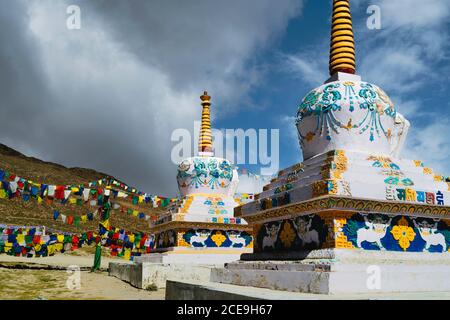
point(22, 91)
point(108, 96)
point(195, 41)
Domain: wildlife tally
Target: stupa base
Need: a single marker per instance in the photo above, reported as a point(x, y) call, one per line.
point(144, 275)
point(176, 263)
point(195, 290)
point(340, 271)
point(186, 250)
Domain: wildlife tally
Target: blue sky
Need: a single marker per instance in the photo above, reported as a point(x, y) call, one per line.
point(110, 95)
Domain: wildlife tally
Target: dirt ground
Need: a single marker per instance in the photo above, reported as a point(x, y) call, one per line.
point(31, 284)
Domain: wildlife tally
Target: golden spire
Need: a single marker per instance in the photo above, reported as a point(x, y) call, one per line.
point(342, 49)
point(205, 141)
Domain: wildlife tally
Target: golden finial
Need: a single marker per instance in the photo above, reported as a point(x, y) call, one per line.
point(205, 140)
point(205, 97)
point(342, 48)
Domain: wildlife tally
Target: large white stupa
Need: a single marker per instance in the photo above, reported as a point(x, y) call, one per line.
point(353, 203)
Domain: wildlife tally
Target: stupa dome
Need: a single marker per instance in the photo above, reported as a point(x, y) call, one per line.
point(350, 115)
point(208, 175)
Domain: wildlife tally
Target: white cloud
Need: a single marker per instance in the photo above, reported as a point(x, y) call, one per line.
point(395, 69)
point(306, 67)
point(409, 108)
point(287, 125)
point(430, 144)
point(414, 13)
point(413, 40)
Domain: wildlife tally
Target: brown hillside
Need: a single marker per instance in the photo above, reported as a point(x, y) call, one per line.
point(18, 212)
point(44, 172)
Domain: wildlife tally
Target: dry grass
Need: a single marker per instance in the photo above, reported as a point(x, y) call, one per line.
point(26, 284)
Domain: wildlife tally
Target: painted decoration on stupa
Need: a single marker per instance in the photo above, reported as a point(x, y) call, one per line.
point(216, 205)
point(366, 231)
point(210, 172)
point(344, 111)
point(204, 238)
point(358, 106)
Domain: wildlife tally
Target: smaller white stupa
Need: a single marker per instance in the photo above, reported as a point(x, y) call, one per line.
point(199, 231)
point(202, 221)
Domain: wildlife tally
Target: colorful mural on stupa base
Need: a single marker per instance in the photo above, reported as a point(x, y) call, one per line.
point(350, 230)
point(203, 238)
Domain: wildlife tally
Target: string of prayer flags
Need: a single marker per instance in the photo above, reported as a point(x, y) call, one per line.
point(13, 186)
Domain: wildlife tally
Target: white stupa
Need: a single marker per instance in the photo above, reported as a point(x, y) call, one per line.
point(203, 221)
point(353, 203)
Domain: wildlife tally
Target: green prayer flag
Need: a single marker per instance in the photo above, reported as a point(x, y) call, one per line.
point(165, 202)
point(97, 257)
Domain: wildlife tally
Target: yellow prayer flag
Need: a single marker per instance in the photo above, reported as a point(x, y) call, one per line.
point(8, 246)
point(20, 239)
point(105, 224)
point(127, 254)
point(2, 194)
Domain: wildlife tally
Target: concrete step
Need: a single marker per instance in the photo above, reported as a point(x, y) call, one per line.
point(190, 290)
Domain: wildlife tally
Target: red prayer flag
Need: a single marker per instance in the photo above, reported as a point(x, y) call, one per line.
point(36, 239)
point(59, 192)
